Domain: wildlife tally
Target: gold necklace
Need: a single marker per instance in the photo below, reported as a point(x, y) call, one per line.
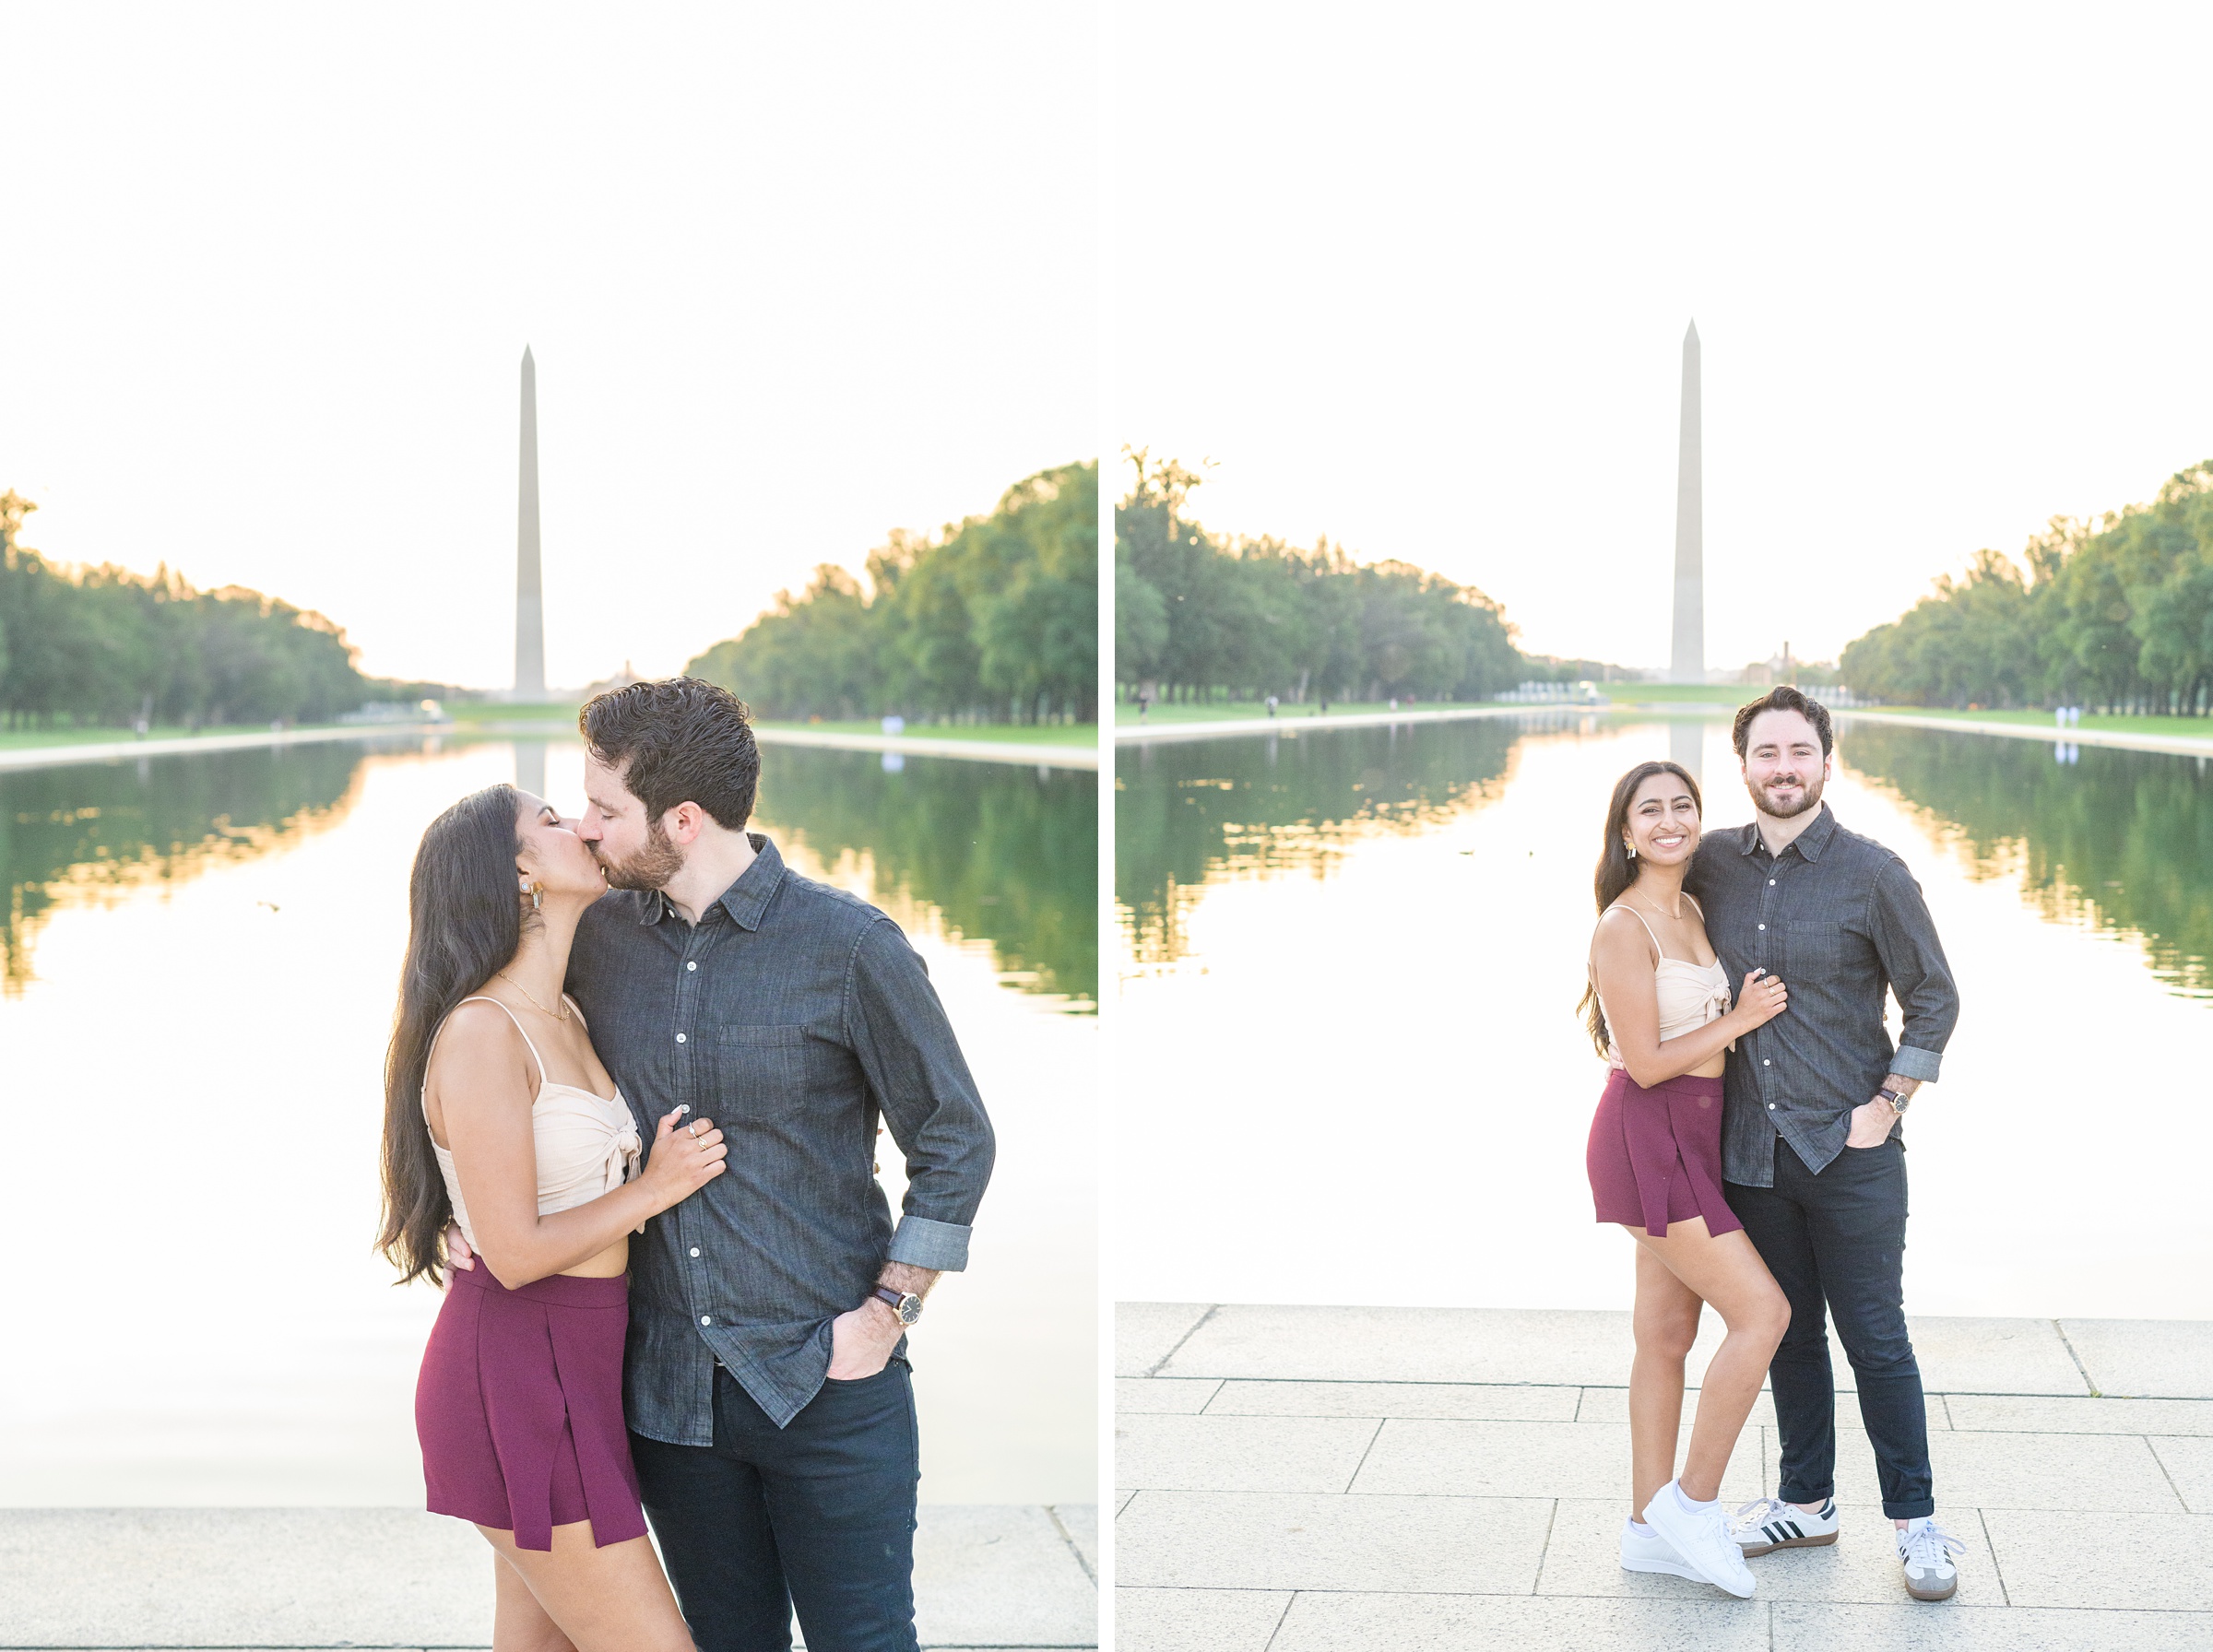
point(1657, 910)
point(560, 1015)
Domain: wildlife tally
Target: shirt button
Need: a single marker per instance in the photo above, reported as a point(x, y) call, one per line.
point(1770, 1109)
point(694, 966)
point(1770, 883)
point(680, 1037)
point(707, 1319)
point(695, 1250)
point(1764, 1062)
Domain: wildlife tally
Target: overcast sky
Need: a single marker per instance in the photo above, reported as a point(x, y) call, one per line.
point(792, 277)
point(1416, 277)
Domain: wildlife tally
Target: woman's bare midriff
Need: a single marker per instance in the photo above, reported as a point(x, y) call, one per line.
point(610, 1262)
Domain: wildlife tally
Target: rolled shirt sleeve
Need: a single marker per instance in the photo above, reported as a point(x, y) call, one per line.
point(897, 1030)
point(1921, 977)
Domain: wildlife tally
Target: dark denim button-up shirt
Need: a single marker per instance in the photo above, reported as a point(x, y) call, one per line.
point(795, 1016)
point(1841, 921)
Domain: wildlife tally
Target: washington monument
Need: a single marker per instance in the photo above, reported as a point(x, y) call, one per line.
point(529, 604)
point(1687, 658)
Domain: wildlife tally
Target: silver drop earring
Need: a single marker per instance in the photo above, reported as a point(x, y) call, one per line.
point(534, 894)
point(1632, 848)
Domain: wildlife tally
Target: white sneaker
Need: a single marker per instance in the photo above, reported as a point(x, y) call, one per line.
point(1925, 1549)
point(1771, 1524)
point(1647, 1551)
point(1701, 1539)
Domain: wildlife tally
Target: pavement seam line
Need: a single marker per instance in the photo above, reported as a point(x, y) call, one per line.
point(1053, 1514)
point(1365, 1450)
point(1211, 1309)
point(1997, 1571)
point(2151, 1447)
point(1281, 1618)
point(1545, 1549)
point(2061, 1332)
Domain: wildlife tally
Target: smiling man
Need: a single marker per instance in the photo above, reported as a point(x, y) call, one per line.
point(771, 1414)
point(1812, 1152)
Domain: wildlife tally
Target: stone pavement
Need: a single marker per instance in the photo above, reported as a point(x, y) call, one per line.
point(1338, 1480)
point(298, 1578)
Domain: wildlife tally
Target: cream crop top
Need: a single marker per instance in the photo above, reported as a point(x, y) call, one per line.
point(1690, 993)
point(587, 1144)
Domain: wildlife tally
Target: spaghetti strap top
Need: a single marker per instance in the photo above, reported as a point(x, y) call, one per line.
point(587, 1144)
point(1690, 994)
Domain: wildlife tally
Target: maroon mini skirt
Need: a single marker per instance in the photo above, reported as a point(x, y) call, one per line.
point(520, 1408)
point(1655, 1155)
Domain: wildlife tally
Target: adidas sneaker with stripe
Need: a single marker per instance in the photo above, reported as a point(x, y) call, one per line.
point(1771, 1524)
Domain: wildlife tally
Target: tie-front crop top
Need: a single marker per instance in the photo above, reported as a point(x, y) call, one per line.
point(587, 1144)
point(1690, 993)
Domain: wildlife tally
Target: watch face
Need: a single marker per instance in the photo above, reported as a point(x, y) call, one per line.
point(909, 1309)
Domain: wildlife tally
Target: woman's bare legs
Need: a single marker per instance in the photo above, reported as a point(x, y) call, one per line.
point(1727, 1273)
point(518, 1623)
point(1666, 1322)
point(588, 1599)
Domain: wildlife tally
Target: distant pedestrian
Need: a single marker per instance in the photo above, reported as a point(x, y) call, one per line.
point(1272, 705)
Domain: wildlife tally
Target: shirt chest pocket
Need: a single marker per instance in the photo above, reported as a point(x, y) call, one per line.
point(1813, 951)
point(761, 1071)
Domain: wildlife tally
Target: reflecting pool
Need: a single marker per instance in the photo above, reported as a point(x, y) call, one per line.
point(200, 959)
point(1350, 1068)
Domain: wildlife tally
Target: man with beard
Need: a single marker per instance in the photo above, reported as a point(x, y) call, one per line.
point(771, 1413)
point(1812, 1152)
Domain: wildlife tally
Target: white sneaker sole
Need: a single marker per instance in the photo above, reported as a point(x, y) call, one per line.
point(1672, 1568)
point(1940, 1592)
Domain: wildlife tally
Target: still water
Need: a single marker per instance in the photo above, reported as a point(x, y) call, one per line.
point(196, 985)
point(1351, 1069)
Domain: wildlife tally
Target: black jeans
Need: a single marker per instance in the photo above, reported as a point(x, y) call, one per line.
point(1840, 1238)
point(817, 1516)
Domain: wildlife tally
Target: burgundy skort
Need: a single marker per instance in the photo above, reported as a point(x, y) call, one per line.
point(520, 1408)
point(1655, 1155)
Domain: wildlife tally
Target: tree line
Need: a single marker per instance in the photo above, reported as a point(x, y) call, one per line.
point(994, 621)
point(105, 645)
point(2116, 616)
point(1198, 616)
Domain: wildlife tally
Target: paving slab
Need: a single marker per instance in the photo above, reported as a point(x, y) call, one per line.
point(1315, 1541)
point(2053, 1557)
point(1143, 1396)
point(2166, 1358)
point(1197, 1620)
point(1239, 1454)
point(1950, 1627)
point(1419, 1456)
point(1584, 1558)
point(985, 1575)
point(1612, 1405)
point(1146, 1332)
point(1432, 1623)
point(226, 1578)
point(1487, 1402)
point(2101, 1474)
point(1560, 1346)
point(993, 1575)
point(2010, 1414)
point(2188, 1460)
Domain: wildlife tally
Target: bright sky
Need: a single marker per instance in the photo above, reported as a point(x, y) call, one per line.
point(792, 279)
point(1416, 277)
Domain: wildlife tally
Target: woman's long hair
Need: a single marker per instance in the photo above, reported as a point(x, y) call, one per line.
point(1616, 871)
point(464, 921)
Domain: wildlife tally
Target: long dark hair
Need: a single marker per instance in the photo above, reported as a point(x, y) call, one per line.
point(1616, 871)
point(464, 921)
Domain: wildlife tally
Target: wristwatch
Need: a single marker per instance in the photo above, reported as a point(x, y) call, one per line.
point(1898, 1103)
point(905, 1304)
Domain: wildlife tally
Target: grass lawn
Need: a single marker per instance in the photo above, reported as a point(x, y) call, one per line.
point(29, 739)
point(2199, 729)
point(1014, 734)
point(467, 712)
point(1224, 711)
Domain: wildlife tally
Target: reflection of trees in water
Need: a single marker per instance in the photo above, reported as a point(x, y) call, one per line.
point(1190, 812)
point(91, 830)
point(2121, 840)
point(1008, 854)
